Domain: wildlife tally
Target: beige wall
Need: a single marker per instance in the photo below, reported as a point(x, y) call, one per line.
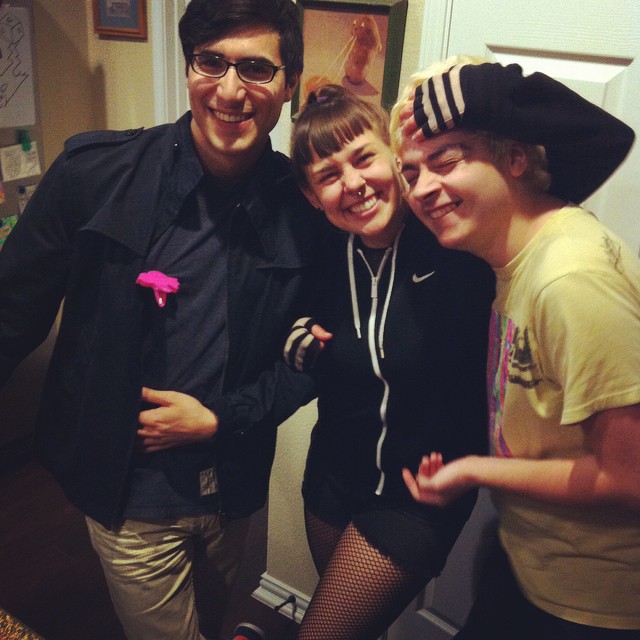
point(288, 557)
point(123, 71)
point(86, 82)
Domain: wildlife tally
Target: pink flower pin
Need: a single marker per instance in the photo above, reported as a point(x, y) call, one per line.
point(161, 284)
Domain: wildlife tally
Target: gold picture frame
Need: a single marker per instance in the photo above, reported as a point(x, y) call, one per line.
point(120, 18)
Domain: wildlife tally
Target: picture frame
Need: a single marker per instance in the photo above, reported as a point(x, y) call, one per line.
point(353, 43)
point(120, 18)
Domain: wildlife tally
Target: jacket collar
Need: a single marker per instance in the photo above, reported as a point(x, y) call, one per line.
point(156, 178)
point(153, 194)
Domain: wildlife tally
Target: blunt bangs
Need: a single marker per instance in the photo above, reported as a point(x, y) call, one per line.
point(324, 127)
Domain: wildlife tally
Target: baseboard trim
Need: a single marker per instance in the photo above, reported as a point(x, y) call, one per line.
point(273, 593)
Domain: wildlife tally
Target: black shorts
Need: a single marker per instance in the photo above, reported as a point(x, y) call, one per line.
point(415, 537)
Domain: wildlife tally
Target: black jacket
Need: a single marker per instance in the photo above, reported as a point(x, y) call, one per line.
point(419, 385)
point(84, 238)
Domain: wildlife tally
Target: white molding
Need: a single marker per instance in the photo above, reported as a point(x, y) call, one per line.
point(169, 92)
point(159, 57)
point(272, 592)
point(436, 22)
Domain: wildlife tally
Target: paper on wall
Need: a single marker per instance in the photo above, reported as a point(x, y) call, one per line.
point(17, 91)
point(17, 163)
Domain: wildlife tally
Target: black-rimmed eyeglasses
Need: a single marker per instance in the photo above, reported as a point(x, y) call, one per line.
point(250, 71)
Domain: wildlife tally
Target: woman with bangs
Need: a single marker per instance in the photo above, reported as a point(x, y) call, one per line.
point(396, 340)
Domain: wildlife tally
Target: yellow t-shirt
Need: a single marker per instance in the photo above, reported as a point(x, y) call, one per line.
point(565, 344)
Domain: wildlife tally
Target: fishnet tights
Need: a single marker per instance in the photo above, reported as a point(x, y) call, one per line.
point(360, 593)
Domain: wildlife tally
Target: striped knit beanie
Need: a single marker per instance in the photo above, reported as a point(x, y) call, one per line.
point(584, 143)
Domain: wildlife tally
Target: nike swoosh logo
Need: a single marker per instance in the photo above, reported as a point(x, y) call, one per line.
point(416, 278)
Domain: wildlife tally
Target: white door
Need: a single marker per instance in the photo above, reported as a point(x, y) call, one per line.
point(594, 47)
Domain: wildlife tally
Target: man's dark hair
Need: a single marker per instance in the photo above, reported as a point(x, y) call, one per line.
point(207, 20)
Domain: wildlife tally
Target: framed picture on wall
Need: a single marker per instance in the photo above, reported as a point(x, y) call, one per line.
point(120, 18)
point(352, 43)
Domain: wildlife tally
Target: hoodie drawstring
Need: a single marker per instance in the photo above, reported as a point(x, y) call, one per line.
point(375, 280)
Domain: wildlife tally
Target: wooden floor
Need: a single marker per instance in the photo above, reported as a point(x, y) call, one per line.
point(51, 579)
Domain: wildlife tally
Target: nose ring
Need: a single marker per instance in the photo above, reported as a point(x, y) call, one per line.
point(360, 192)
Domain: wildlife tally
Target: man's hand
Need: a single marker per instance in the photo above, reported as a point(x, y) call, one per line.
point(179, 419)
point(608, 474)
point(438, 484)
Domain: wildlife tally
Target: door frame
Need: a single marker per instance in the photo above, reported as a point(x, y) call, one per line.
point(169, 88)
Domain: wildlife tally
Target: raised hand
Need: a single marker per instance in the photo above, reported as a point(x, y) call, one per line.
point(436, 483)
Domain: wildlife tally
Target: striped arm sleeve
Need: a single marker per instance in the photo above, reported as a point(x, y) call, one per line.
point(301, 349)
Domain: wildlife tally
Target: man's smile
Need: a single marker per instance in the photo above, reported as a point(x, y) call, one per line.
point(441, 211)
point(231, 117)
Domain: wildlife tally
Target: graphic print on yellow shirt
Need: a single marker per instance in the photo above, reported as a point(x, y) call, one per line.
point(510, 361)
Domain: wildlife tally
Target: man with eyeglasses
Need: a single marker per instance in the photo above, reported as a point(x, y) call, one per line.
point(181, 252)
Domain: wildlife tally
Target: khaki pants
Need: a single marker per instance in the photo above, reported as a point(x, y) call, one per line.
point(170, 579)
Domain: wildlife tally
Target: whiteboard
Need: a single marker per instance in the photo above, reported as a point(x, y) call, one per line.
point(17, 96)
